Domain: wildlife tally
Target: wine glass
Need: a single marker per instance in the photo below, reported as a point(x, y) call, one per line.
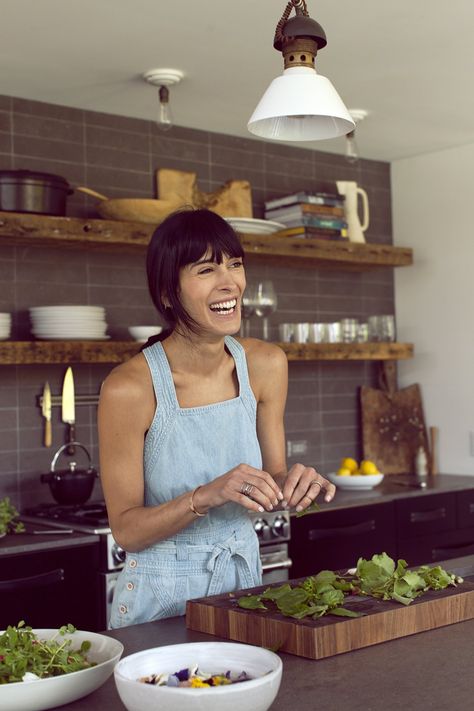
point(247, 308)
point(265, 303)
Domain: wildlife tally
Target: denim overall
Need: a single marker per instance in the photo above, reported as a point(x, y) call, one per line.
point(186, 447)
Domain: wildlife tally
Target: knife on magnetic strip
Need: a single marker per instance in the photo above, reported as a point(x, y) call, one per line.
point(68, 408)
point(46, 412)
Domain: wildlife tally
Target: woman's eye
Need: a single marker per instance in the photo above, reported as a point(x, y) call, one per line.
point(236, 265)
point(206, 270)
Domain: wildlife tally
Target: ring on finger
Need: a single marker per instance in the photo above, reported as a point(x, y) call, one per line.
point(316, 482)
point(246, 488)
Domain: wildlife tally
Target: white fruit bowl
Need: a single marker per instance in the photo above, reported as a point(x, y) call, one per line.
point(55, 691)
point(359, 482)
point(143, 333)
point(257, 694)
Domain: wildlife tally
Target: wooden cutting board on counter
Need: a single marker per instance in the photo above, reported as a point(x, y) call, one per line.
point(330, 635)
point(393, 424)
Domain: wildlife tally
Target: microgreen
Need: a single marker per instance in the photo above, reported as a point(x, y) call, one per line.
point(8, 514)
point(22, 652)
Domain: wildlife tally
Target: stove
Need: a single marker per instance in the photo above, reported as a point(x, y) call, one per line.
point(88, 518)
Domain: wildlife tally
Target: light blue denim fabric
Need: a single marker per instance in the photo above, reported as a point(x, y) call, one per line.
point(186, 447)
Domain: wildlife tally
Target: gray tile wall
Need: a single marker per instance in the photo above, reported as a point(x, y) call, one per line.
point(118, 156)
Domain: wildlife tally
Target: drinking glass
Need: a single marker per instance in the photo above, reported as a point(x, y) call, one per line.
point(248, 308)
point(265, 304)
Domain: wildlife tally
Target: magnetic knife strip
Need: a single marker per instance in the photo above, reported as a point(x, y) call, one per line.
point(56, 400)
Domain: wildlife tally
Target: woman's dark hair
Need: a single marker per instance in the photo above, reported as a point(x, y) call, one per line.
point(182, 238)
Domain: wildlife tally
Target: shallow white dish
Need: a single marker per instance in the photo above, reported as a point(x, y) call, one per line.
point(213, 657)
point(47, 693)
point(143, 333)
point(359, 482)
point(253, 226)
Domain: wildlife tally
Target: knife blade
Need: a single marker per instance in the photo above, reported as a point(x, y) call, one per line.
point(68, 410)
point(46, 412)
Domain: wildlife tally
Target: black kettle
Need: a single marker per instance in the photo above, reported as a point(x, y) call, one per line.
point(72, 485)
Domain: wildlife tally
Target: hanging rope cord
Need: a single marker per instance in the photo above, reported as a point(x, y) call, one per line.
point(300, 9)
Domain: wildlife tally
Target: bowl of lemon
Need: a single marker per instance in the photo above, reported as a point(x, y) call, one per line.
point(357, 476)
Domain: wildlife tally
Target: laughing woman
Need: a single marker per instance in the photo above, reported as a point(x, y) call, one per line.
point(191, 432)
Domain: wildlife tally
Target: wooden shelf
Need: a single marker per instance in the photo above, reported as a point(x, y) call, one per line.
point(114, 352)
point(76, 233)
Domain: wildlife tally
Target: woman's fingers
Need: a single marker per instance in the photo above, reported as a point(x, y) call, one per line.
point(256, 487)
point(303, 485)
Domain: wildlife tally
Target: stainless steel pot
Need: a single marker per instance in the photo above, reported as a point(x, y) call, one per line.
point(72, 485)
point(28, 191)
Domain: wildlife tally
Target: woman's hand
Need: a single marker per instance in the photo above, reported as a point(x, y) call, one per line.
point(254, 489)
point(303, 485)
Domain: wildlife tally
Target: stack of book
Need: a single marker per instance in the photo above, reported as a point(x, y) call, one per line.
point(316, 215)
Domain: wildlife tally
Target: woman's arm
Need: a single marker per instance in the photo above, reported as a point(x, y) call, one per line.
point(268, 368)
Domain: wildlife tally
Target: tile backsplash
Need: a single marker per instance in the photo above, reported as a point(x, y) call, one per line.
point(118, 156)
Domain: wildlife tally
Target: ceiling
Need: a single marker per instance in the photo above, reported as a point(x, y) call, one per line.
point(408, 63)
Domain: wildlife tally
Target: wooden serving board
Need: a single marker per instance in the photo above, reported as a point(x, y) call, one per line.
point(327, 636)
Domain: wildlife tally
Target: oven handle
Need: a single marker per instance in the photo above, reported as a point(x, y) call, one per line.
point(286, 563)
point(34, 581)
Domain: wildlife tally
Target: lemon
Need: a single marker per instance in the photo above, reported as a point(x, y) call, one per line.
point(368, 467)
point(343, 471)
point(349, 463)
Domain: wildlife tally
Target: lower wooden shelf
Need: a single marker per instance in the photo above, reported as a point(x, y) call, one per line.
point(55, 352)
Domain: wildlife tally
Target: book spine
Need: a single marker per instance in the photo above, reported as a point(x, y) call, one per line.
point(294, 211)
point(334, 200)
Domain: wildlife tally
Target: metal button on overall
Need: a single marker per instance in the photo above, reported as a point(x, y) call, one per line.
point(123, 609)
point(132, 563)
point(130, 586)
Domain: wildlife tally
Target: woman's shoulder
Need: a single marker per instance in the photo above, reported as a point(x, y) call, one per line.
point(262, 354)
point(127, 383)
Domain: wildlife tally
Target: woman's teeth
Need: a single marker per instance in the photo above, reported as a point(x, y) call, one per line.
point(224, 307)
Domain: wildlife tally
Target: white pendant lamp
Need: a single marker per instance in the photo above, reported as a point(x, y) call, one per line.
point(300, 105)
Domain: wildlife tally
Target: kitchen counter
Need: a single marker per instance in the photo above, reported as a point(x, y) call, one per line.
point(431, 670)
point(389, 490)
point(29, 542)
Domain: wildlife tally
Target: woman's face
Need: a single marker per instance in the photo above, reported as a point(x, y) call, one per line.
point(211, 293)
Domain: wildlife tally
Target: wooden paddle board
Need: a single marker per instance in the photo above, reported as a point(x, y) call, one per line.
point(220, 615)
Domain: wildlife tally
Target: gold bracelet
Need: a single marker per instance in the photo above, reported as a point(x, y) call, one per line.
point(191, 503)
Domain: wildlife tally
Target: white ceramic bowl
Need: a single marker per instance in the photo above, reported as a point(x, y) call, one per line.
point(58, 690)
point(358, 482)
point(213, 657)
point(143, 333)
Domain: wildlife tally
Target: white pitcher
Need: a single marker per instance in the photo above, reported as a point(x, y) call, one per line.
point(351, 191)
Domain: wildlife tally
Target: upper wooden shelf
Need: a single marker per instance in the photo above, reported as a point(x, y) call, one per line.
point(76, 233)
point(54, 352)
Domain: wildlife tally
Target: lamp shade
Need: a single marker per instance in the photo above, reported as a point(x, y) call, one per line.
point(300, 105)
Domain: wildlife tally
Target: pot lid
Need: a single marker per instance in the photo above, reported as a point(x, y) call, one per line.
point(32, 177)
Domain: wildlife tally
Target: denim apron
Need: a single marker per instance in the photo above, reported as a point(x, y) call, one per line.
point(186, 447)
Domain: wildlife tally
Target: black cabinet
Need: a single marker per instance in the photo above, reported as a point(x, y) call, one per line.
point(336, 539)
point(51, 588)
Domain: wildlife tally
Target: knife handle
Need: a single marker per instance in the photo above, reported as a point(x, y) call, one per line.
point(48, 434)
point(71, 438)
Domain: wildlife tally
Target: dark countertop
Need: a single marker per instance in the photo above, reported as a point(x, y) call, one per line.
point(430, 670)
point(29, 542)
point(389, 490)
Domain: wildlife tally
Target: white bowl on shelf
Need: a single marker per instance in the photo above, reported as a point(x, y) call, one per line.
point(143, 333)
point(55, 691)
point(257, 694)
point(356, 482)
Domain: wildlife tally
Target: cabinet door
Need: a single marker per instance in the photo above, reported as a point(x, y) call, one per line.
point(438, 546)
point(425, 514)
point(337, 539)
point(465, 508)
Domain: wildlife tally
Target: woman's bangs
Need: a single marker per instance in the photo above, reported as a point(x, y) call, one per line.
point(215, 239)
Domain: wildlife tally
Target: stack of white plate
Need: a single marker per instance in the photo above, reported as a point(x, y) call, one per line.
point(62, 323)
point(251, 226)
point(5, 326)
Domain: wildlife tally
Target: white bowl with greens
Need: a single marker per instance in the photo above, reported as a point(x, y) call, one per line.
point(36, 654)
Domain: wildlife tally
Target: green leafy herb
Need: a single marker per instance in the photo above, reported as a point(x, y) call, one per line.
point(326, 592)
point(8, 514)
point(312, 508)
point(22, 652)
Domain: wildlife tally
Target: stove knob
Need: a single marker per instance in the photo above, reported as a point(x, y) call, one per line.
point(118, 554)
point(262, 529)
point(281, 528)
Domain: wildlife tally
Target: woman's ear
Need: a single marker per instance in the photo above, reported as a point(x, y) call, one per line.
point(165, 301)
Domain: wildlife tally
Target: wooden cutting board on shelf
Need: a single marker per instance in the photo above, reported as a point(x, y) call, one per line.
point(393, 424)
point(233, 199)
point(329, 635)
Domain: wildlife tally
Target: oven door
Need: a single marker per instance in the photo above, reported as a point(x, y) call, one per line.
point(107, 585)
point(276, 563)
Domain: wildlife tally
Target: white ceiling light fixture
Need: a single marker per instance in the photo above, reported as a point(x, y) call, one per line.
point(352, 149)
point(163, 78)
point(300, 105)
